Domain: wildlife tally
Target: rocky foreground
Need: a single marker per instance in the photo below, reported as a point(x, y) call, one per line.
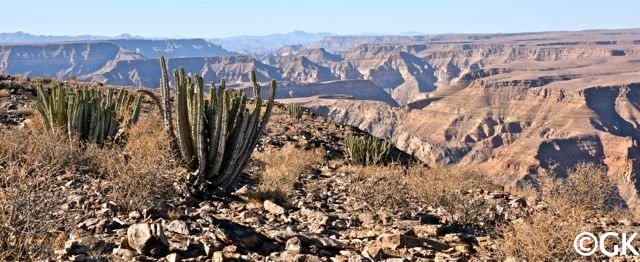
point(327, 216)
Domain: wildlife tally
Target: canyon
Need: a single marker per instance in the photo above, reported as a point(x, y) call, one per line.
point(510, 104)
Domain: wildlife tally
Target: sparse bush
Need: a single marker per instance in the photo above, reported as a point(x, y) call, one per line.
point(44, 81)
point(215, 137)
point(28, 192)
point(394, 187)
point(295, 110)
point(587, 185)
point(547, 234)
point(26, 221)
point(135, 177)
point(140, 175)
point(366, 150)
point(283, 167)
point(451, 189)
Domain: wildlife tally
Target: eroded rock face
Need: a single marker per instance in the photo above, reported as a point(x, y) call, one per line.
point(511, 132)
point(505, 107)
point(407, 68)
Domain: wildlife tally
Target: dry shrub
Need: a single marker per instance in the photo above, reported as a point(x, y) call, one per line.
point(589, 186)
point(42, 153)
point(283, 167)
point(140, 175)
point(26, 215)
point(383, 188)
point(30, 193)
point(452, 188)
point(393, 187)
point(547, 234)
point(29, 162)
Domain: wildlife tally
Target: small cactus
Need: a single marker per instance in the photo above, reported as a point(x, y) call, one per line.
point(295, 110)
point(367, 150)
point(84, 112)
point(215, 134)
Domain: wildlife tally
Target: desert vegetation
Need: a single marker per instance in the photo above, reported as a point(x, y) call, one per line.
point(215, 136)
point(295, 110)
point(85, 113)
point(367, 150)
point(309, 189)
point(569, 205)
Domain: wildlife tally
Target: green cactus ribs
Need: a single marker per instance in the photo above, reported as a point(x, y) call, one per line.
point(86, 113)
point(367, 150)
point(214, 133)
point(295, 110)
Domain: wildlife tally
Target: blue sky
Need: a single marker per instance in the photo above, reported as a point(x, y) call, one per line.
point(223, 18)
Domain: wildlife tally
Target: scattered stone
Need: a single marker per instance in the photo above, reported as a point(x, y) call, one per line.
point(178, 226)
point(273, 207)
point(89, 223)
point(429, 219)
point(288, 255)
point(79, 258)
point(135, 215)
point(306, 258)
point(148, 239)
point(373, 252)
point(173, 257)
point(294, 244)
point(217, 257)
point(73, 247)
point(426, 230)
point(393, 241)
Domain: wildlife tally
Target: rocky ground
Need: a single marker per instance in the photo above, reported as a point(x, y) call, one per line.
point(323, 220)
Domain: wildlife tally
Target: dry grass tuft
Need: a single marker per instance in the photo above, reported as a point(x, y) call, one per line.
point(35, 166)
point(140, 175)
point(26, 220)
point(283, 167)
point(5, 93)
point(547, 234)
point(390, 188)
point(29, 162)
point(587, 185)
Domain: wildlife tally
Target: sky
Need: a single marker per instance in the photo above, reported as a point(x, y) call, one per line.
point(224, 18)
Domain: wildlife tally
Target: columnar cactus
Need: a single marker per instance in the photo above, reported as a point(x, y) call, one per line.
point(97, 119)
point(52, 107)
point(367, 150)
point(215, 136)
point(295, 110)
point(85, 112)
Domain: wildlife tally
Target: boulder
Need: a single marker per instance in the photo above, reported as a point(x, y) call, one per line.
point(148, 239)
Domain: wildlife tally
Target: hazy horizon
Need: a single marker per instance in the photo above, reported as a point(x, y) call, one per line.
point(224, 18)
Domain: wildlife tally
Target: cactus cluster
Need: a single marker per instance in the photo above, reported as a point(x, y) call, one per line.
point(367, 150)
point(295, 110)
point(85, 112)
point(215, 133)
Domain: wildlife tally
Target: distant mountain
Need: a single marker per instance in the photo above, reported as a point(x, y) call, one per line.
point(22, 37)
point(250, 45)
point(260, 45)
point(85, 58)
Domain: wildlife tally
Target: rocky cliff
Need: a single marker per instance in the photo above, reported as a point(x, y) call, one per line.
point(87, 59)
point(514, 109)
point(509, 103)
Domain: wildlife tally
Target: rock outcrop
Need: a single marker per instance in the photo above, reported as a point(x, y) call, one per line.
point(510, 103)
